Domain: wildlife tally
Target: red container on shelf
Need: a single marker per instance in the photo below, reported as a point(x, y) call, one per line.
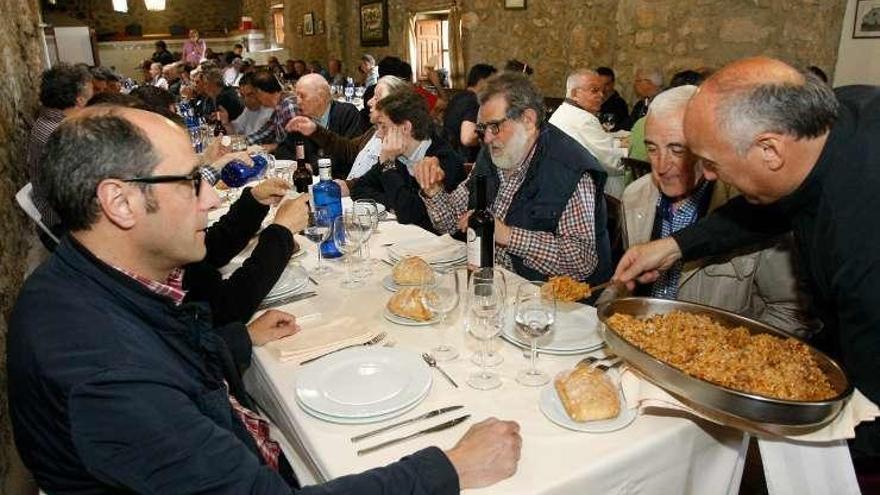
point(247, 23)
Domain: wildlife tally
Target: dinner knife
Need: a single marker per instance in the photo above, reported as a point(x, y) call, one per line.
point(433, 429)
point(430, 414)
point(287, 300)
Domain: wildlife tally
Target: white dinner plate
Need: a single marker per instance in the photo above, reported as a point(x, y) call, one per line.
point(400, 320)
point(361, 421)
point(442, 250)
point(574, 332)
point(363, 382)
point(379, 206)
point(552, 407)
point(292, 279)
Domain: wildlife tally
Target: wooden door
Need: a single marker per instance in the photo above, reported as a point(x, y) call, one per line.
point(429, 46)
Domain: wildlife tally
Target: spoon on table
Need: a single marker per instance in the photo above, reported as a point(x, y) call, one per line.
point(433, 363)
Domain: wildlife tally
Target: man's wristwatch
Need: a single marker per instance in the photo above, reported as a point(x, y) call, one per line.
point(388, 165)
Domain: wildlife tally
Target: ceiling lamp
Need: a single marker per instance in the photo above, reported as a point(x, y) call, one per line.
point(120, 5)
point(155, 5)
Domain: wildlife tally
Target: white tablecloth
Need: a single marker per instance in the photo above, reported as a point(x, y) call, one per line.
point(655, 454)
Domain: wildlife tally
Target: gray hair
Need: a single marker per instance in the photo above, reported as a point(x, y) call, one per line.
point(653, 74)
point(800, 110)
point(576, 79)
point(394, 84)
point(518, 91)
point(82, 152)
point(671, 101)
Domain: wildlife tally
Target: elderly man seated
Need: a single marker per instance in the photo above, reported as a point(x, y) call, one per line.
point(545, 189)
point(577, 118)
point(760, 284)
point(119, 385)
point(409, 138)
point(314, 101)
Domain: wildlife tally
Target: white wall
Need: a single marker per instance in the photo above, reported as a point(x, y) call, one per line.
point(858, 60)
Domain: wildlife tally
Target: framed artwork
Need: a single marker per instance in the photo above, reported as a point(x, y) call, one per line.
point(374, 22)
point(309, 24)
point(867, 21)
point(515, 4)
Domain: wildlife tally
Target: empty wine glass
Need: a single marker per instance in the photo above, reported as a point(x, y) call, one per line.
point(369, 208)
point(534, 315)
point(348, 234)
point(365, 221)
point(318, 231)
point(486, 302)
point(441, 296)
point(608, 121)
point(487, 355)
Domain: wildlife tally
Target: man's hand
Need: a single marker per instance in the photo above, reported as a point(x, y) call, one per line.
point(463, 220)
point(293, 214)
point(271, 191)
point(393, 144)
point(215, 151)
point(487, 453)
point(502, 233)
point(241, 156)
point(343, 185)
point(302, 125)
point(644, 262)
point(429, 174)
point(272, 325)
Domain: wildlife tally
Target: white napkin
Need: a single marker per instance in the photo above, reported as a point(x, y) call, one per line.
point(642, 394)
point(808, 469)
point(314, 340)
point(434, 250)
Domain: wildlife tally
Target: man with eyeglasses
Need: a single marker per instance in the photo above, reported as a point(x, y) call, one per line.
point(254, 116)
point(544, 189)
point(116, 384)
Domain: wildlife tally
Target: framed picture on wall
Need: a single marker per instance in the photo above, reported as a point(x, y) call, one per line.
point(515, 4)
point(309, 24)
point(374, 22)
point(867, 21)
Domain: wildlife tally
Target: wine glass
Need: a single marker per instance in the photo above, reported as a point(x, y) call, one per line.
point(364, 220)
point(534, 315)
point(348, 234)
point(440, 296)
point(318, 231)
point(487, 356)
point(608, 121)
point(369, 208)
point(486, 299)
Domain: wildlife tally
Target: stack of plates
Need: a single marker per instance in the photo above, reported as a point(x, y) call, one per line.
point(441, 251)
point(383, 213)
point(363, 385)
point(575, 331)
point(292, 280)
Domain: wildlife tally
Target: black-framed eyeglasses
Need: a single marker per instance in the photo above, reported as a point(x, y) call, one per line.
point(493, 126)
point(199, 174)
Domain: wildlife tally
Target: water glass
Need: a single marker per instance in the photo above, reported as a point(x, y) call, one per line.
point(319, 231)
point(348, 235)
point(486, 303)
point(370, 208)
point(441, 296)
point(534, 314)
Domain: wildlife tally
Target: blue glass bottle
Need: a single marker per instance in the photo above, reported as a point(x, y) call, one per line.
point(327, 194)
point(237, 173)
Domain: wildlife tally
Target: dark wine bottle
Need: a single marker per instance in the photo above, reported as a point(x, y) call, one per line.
point(481, 231)
point(302, 176)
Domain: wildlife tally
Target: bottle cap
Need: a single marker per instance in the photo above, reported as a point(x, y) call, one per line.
point(324, 163)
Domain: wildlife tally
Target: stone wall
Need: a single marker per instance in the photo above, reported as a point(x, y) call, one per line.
point(210, 16)
point(19, 80)
point(555, 36)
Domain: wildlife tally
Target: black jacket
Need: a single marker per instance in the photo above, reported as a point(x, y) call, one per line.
point(343, 121)
point(114, 389)
point(833, 215)
point(617, 106)
point(399, 191)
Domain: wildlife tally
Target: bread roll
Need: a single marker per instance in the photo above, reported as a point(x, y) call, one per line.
point(407, 302)
point(412, 270)
point(587, 394)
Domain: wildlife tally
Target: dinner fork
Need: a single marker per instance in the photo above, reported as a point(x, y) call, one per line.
point(592, 360)
point(375, 340)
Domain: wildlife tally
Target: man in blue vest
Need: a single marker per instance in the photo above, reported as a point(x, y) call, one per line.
point(544, 189)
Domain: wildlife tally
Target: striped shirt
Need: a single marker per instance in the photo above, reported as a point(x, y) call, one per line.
point(46, 123)
point(273, 130)
point(571, 250)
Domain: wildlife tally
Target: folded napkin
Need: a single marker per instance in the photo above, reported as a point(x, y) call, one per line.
point(642, 394)
point(432, 250)
point(314, 340)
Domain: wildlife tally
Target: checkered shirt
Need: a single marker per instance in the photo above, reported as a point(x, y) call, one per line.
point(273, 130)
point(571, 250)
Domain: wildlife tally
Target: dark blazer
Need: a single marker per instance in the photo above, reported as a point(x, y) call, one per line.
point(399, 191)
point(343, 121)
point(114, 389)
point(617, 106)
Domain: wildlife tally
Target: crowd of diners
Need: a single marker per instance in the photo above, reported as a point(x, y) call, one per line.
point(126, 346)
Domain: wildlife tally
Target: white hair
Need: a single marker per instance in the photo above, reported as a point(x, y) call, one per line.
point(651, 73)
point(671, 101)
point(576, 80)
point(393, 84)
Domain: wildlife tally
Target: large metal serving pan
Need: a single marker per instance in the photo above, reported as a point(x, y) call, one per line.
point(746, 411)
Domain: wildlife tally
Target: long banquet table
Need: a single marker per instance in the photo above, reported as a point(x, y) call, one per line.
point(659, 454)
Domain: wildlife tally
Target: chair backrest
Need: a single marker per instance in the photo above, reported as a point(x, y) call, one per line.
point(25, 199)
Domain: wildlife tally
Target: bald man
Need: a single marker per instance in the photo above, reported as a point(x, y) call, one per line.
point(314, 101)
point(807, 160)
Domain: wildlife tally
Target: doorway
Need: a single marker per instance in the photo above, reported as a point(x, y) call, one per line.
point(431, 45)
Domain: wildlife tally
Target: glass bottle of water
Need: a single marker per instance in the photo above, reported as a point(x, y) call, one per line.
point(327, 194)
